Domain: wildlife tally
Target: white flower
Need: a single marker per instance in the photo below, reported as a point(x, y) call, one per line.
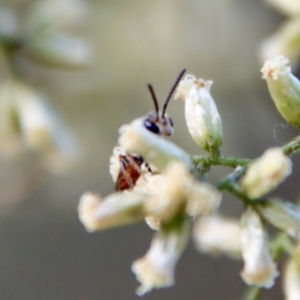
point(282, 215)
point(201, 114)
point(282, 42)
point(284, 88)
point(259, 268)
point(135, 138)
point(25, 116)
point(115, 210)
point(172, 193)
point(291, 283)
point(178, 192)
point(56, 14)
point(218, 235)
point(266, 173)
point(156, 268)
point(289, 7)
point(203, 199)
point(45, 41)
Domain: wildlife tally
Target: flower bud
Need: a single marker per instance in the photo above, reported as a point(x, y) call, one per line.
point(284, 41)
point(282, 215)
point(201, 114)
point(284, 88)
point(42, 130)
point(156, 268)
point(55, 14)
point(266, 173)
point(135, 138)
point(288, 7)
point(259, 268)
point(115, 210)
point(25, 116)
point(291, 282)
point(217, 235)
point(58, 50)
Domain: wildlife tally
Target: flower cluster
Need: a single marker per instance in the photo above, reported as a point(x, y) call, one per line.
point(168, 199)
point(156, 182)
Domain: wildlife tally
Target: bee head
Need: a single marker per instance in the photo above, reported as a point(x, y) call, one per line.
point(158, 122)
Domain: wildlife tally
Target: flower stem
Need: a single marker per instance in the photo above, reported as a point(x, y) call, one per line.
point(292, 147)
point(230, 162)
point(253, 293)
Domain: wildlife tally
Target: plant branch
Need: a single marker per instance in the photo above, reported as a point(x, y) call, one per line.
point(230, 162)
point(292, 147)
point(253, 293)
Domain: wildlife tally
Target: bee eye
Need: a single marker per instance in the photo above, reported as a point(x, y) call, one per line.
point(138, 159)
point(171, 122)
point(151, 126)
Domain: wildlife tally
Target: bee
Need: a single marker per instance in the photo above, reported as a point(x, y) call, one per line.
point(126, 168)
point(130, 171)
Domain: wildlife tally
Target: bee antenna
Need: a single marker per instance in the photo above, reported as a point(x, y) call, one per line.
point(154, 98)
point(172, 91)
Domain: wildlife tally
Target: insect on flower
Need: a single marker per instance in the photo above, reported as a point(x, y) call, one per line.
point(130, 171)
point(130, 164)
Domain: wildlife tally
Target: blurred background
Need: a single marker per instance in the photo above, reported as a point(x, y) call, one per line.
point(45, 252)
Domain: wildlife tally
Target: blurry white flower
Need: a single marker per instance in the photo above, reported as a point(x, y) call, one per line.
point(117, 209)
point(259, 268)
point(44, 40)
point(135, 138)
point(203, 199)
point(218, 235)
point(291, 282)
point(288, 7)
point(58, 50)
point(179, 193)
point(56, 14)
point(27, 117)
point(282, 215)
point(172, 193)
point(284, 88)
point(156, 268)
point(201, 114)
point(283, 41)
point(266, 173)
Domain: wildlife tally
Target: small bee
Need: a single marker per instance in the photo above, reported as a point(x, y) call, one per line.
point(126, 168)
point(130, 171)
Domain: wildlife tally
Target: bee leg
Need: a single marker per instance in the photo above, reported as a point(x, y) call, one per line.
point(134, 164)
point(126, 176)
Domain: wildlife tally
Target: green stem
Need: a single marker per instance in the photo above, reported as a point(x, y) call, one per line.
point(206, 161)
point(292, 147)
point(253, 293)
point(11, 46)
point(230, 162)
point(282, 243)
